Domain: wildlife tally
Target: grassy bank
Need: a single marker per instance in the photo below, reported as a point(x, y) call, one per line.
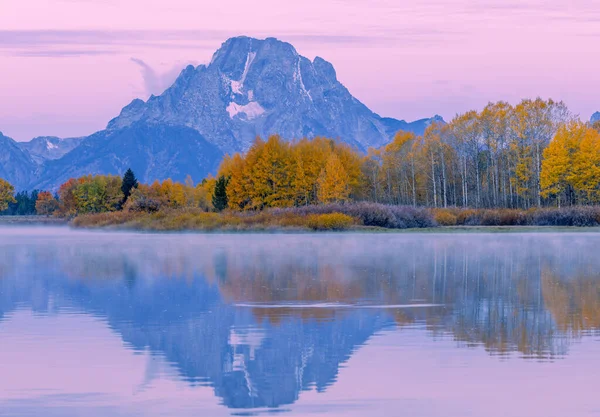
point(327, 218)
point(355, 216)
point(189, 219)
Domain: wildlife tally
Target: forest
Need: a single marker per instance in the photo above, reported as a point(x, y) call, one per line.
point(501, 163)
point(534, 154)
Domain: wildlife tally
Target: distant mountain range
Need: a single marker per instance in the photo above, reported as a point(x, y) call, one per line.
point(250, 88)
point(595, 117)
point(48, 148)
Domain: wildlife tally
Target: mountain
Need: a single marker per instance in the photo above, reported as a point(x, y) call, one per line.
point(250, 88)
point(262, 87)
point(595, 117)
point(46, 148)
point(16, 166)
point(151, 151)
point(418, 127)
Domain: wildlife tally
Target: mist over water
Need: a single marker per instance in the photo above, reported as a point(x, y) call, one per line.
point(134, 324)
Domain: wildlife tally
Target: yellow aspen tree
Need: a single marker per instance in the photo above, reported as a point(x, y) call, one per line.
point(178, 197)
point(237, 195)
point(333, 184)
point(300, 184)
point(585, 175)
point(278, 158)
point(352, 162)
point(557, 165)
point(7, 192)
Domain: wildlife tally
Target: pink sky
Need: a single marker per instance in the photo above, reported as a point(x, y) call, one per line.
point(68, 66)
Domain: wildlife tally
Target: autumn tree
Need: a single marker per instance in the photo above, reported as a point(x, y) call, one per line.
point(300, 183)
point(399, 167)
point(586, 168)
point(66, 198)
point(7, 192)
point(571, 166)
point(557, 166)
point(46, 204)
point(333, 181)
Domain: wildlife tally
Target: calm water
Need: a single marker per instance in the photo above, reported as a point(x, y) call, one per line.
point(116, 324)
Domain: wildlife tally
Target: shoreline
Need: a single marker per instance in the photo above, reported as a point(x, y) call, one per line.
point(442, 230)
point(32, 220)
point(150, 228)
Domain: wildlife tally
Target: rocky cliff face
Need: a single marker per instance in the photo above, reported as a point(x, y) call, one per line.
point(16, 166)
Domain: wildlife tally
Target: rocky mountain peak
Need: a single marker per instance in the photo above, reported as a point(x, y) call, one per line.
point(252, 87)
point(255, 87)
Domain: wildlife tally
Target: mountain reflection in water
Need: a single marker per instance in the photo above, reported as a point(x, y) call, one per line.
point(262, 318)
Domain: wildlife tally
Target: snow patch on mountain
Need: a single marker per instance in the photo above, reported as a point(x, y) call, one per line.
point(298, 78)
point(237, 86)
point(252, 110)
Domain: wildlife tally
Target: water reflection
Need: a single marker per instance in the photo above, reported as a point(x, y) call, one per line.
point(262, 318)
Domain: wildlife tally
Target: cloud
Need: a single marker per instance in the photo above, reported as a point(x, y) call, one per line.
point(62, 53)
point(61, 43)
point(157, 82)
point(57, 43)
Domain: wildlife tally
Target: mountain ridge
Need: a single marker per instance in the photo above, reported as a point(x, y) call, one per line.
point(44, 148)
point(251, 87)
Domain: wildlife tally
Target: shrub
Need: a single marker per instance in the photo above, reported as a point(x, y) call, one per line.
point(445, 217)
point(331, 221)
point(408, 217)
point(372, 214)
point(466, 216)
point(369, 214)
point(567, 216)
point(142, 203)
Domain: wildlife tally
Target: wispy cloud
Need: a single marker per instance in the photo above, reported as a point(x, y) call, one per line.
point(61, 43)
point(156, 82)
point(61, 53)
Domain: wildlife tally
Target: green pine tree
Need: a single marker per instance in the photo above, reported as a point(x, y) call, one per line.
point(129, 183)
point(219, 199)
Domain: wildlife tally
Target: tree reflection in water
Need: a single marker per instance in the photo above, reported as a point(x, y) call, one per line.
point(263, 317)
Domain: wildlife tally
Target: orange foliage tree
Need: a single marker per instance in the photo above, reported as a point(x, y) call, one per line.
point(46, 204)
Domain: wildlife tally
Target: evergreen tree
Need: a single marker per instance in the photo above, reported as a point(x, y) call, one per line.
point(219, 199)
point(129, 183)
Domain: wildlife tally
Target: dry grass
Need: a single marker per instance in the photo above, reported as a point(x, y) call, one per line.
point(191, 219)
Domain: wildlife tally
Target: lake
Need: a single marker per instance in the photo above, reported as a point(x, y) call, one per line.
point(122, 324)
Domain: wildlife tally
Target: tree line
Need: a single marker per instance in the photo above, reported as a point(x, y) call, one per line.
point(533, 154)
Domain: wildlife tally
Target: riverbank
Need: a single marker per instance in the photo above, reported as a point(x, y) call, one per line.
point(31, 220)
